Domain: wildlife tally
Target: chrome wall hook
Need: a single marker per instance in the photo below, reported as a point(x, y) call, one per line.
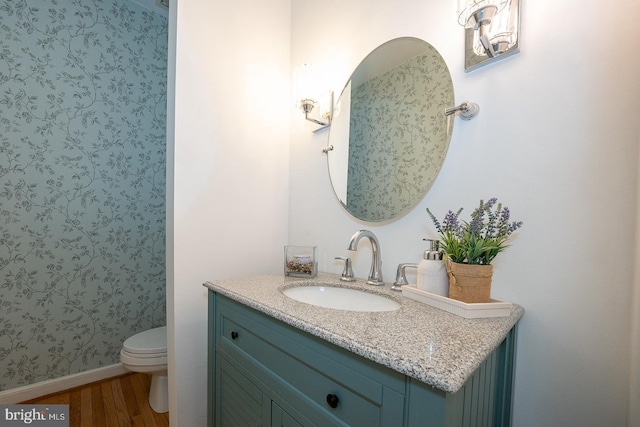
point(468, 110)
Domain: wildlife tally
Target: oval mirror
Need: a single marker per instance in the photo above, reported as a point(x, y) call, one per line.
point(389, 132)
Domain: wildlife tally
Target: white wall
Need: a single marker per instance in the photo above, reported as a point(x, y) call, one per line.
point(556, 140)
point(228, 168)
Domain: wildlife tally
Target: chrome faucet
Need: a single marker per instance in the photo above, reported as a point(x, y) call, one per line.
point(375, 275)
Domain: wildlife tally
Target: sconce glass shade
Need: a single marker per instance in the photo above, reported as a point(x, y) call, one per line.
point(472, 13)
point(308, 95)
point(305, 89)
point(502, 34)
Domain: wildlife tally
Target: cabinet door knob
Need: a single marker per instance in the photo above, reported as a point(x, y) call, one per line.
point(234, 335)
point(332, 400)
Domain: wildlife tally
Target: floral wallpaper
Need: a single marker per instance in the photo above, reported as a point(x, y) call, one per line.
point(398, 137)
point(82, 183)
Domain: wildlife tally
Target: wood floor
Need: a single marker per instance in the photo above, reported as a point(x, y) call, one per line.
point(115, 402)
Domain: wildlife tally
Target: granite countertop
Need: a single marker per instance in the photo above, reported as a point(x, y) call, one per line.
point(423, 342)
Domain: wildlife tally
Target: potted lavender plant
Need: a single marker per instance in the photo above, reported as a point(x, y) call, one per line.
point(471, 246)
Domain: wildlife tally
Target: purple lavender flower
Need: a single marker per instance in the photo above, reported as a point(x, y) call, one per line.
point(450, 222)
point(514, 226)
point(436, 223)
point(491, 224)
point(505, 215)
point(476, 224)
point(503, 222)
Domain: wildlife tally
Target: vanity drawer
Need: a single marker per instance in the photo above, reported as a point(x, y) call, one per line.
point(320, 372)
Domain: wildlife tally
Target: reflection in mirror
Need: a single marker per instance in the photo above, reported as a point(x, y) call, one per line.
point(389, 132)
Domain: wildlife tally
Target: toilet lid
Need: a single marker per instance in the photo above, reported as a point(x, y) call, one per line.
point(151, 341)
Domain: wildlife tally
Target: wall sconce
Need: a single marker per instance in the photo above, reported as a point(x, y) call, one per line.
point(491, 30)
point(316, 106)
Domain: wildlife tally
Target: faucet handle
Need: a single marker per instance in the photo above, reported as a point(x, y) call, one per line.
point(401, 277)
point(347, 273)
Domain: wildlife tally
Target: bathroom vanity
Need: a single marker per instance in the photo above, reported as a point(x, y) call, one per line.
point(276, 361)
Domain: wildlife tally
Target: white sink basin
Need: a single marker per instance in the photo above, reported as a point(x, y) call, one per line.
point(341, 298)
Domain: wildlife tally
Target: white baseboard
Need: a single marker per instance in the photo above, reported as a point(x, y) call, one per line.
point(43, 388)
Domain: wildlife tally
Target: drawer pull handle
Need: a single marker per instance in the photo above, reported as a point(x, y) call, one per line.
point(332, 400)
point(234, 335)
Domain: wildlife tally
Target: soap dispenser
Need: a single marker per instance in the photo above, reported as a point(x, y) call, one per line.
point(432, 274)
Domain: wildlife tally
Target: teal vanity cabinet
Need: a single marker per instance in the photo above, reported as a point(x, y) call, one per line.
point(264, 372)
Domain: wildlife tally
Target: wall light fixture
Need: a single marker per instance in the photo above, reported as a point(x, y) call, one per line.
point(316, 105)
point(491, 30)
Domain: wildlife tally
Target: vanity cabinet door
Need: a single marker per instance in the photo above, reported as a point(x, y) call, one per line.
point(239, 401)
point(280, 418)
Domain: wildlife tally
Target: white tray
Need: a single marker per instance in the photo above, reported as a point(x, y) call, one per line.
point(495, 308)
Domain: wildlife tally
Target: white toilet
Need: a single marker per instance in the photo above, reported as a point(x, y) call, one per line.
point(147, 352)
